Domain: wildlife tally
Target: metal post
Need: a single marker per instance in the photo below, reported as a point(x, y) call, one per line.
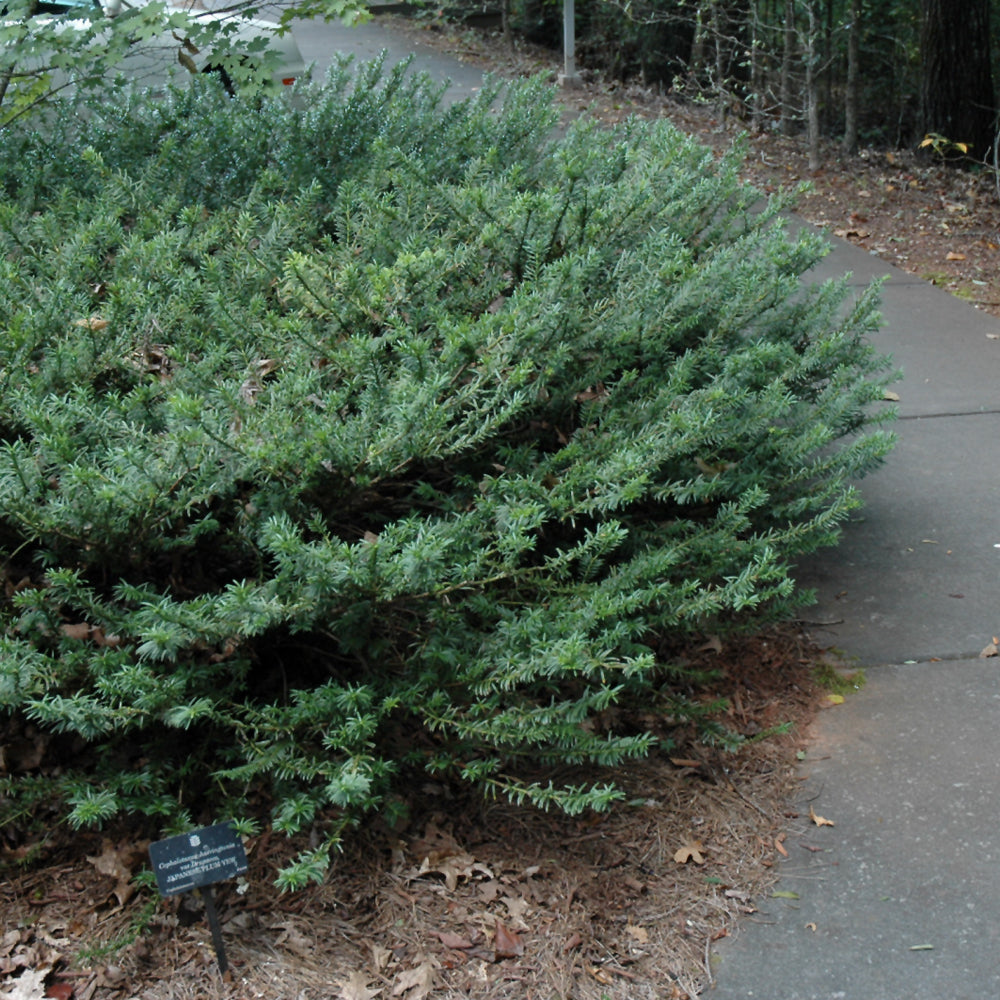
point(568, 77)
point(215, 927)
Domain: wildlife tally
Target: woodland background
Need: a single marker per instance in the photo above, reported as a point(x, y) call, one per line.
point(869, 72)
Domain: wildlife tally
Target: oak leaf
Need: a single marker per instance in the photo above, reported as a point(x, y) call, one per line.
point(355, 987)
point(419, 981)
point(690, 852)
point(29, 985)
point(454, 941)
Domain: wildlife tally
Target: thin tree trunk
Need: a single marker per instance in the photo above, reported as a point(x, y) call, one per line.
point(697, 63)
point(812, 85)
point(756, 70)
point(849, 144)
point(720, 60)
point(7, 77)
point(787, 55)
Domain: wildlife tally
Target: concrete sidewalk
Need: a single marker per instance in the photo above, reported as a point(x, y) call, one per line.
point(320, 41)
point(901, 899)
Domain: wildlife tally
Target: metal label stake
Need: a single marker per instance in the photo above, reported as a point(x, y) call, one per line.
point(197, 860)
point(215, 927)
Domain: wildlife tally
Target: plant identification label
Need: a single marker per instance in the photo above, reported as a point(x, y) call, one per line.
point(198, 858)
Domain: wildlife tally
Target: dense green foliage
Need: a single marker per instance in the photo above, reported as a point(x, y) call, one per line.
point(386, 436)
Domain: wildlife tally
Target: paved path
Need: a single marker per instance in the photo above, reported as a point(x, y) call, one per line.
point(902, 899)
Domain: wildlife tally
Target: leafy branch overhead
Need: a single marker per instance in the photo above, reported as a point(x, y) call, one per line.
point(63, 49)
point(387, 437)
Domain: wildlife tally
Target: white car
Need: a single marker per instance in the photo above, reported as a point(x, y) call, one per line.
point(168, 55)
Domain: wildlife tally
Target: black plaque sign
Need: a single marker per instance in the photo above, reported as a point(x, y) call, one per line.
point(198, 858)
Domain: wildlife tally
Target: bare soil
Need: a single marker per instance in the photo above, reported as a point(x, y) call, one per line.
point(484, 900)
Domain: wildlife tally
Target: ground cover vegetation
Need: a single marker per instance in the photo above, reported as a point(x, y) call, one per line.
point(388, 438)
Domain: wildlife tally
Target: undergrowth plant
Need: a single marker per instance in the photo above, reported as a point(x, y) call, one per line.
point(388, 435)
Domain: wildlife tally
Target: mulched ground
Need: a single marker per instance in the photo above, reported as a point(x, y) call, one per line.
point(472, 899)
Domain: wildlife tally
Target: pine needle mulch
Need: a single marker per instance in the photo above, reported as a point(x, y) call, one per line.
point(472, 899)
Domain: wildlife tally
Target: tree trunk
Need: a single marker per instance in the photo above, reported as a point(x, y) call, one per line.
point(756, 70)
point(720, 61)
point(696, 64)
point(508, 35)
point(956, 86)
point(812, 44)
point(849, 144)
point(787, 55)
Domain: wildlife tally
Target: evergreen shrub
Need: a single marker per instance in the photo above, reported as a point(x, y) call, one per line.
point(377, 435)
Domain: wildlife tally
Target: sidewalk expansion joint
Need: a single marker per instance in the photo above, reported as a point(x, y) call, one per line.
point(956, 413)
point(921, 661)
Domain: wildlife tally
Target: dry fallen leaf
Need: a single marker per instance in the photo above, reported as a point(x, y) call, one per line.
point(891, 396)
point(381, 957)
point(356, 988)
point(76, 630)
point(293, 939)
point(640, 934)
point(118, 862)
point(506, 943)
point(453, 868)
point(419, 981)
point(820, 820)
point(94, 323)
point(517, 908)
point(951, 255)
point(454, 941)
point(690, 852)
point(993, 649)
point(779, 846)
point(29, 985)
